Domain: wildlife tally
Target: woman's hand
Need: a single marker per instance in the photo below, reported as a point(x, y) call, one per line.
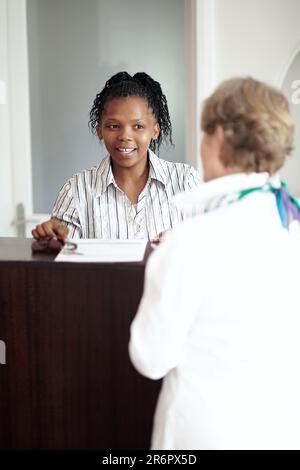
point(52, 228)
point(160, 237)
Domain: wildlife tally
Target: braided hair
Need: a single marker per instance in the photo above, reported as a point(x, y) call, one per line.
point(123, 85)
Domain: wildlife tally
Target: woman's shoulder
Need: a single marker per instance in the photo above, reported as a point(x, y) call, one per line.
point(183, 172)
point(88, 180)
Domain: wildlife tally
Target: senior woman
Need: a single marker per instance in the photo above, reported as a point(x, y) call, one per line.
point(220, 315)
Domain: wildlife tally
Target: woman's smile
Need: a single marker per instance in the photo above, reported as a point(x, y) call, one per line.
point(126, 151)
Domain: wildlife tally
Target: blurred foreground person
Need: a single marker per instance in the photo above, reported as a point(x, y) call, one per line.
point(220, 314)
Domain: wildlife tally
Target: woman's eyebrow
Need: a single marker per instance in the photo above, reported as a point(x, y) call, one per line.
point(115, 118)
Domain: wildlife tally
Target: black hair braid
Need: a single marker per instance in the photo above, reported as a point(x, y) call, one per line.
point(117, 78)
point(122, 85)
point(158, 102)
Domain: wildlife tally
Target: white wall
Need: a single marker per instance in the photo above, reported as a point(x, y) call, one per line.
point(255, 37)
point(241, 38)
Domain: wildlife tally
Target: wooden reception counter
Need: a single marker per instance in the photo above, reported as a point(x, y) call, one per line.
point(68, 382)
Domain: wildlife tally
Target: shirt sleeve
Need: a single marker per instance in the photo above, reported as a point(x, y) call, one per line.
point(65, 211)
point(166, 312)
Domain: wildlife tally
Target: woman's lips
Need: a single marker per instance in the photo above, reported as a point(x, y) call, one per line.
point(125, 151)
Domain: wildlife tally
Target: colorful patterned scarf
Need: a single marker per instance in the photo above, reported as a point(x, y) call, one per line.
point(288, 206)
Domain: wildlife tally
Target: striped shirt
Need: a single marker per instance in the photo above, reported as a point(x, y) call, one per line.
point(91, 204)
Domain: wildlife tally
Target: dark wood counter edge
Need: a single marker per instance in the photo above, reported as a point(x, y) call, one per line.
point(42, 259)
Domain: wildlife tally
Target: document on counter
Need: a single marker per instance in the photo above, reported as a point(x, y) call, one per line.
point(102, 251)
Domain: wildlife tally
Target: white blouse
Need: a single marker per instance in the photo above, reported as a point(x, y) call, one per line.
point(220, 321)
point(91, 204)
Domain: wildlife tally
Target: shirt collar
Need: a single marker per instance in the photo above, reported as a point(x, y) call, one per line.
point(105, 175)
point(156, 168)
point(197, 199)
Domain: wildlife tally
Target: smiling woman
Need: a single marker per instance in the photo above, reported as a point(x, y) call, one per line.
point(127, 127)
point(128, 195)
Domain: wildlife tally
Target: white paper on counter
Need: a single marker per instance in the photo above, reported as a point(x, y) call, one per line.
point(104, 251)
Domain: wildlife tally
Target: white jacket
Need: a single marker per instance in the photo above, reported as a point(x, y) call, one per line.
point(220, 321)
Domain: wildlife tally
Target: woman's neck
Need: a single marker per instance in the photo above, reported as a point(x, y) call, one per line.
point(132, 180)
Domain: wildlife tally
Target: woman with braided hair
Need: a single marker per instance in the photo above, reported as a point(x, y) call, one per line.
point(128, 195)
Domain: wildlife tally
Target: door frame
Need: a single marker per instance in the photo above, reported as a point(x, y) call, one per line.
point(200, 53)
point(18, 102)
point(287, 64)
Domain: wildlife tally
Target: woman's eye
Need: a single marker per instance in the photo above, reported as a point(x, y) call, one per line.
point(112, 126)
point(139, 126)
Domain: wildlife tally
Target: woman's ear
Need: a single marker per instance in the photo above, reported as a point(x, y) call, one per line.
point(99, 133)
point(220, 136)
point(156, 130)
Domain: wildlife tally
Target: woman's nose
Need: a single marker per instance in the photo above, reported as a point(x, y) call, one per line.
point(125, 134)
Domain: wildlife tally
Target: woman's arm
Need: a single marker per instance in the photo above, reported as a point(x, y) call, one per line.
point(167, 309)
point(64, 220)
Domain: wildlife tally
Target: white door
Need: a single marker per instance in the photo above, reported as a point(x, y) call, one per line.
point(56, 56)
point(16, 217)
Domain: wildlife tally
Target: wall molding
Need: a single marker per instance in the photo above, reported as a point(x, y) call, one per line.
point(200, 47)
point(19, 102)
point(287, 64)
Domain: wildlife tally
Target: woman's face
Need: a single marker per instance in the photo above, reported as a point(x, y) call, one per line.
point(127, 127)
